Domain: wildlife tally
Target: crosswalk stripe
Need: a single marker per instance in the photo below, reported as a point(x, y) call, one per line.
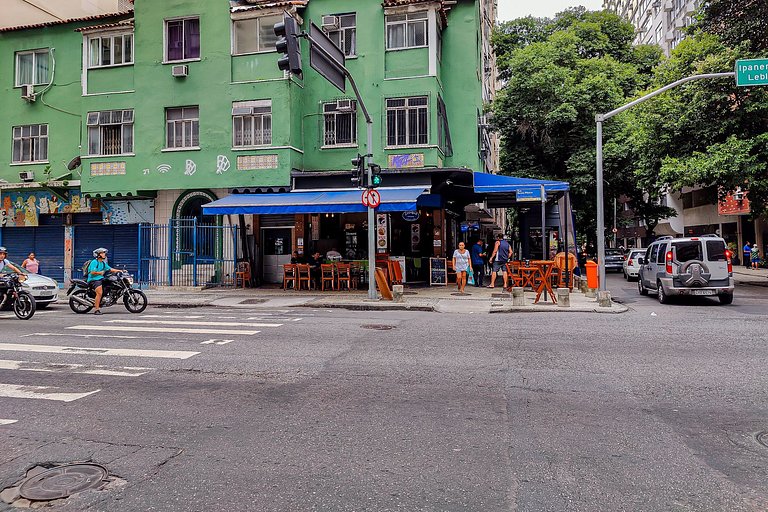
point(159, 329)
point(182, 322)
point(40, 393)
point(7, 422)
point(36, 366)
point(174, 316)
point(58, 334)
point(121, 352)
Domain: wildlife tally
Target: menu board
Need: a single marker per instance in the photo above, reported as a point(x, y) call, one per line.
point(438, 272)
point(382, 228)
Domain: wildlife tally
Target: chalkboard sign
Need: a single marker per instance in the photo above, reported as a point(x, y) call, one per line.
point(438, 273)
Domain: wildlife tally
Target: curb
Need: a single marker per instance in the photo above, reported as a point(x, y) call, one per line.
point(367, 307)
point(616, 309)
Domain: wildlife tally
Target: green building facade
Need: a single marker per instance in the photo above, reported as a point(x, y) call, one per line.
point(144, 116)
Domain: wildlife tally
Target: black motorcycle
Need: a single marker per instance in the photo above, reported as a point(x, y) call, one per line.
point(12, 294)
point(82, 296)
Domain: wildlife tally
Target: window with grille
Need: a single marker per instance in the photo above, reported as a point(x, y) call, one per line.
point(113, 50)
point(251, 123)
point(33, 67)
point(340, 123)
point(406, 30)
point(407, 121)
point(110, 132)
point(254, 35)
point(345, 37)
point(30, 143)
point(182, 39)
point(182, 126)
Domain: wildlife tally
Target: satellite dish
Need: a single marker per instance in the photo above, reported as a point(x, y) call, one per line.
point(74, 163)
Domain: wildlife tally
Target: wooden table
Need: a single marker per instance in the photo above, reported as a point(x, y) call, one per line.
point(528, 276)
point(545, 285)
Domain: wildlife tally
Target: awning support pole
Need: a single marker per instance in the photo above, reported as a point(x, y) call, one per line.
point(544, 229)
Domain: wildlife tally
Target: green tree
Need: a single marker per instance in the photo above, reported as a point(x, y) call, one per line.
point(737, 22)
point(559, 73)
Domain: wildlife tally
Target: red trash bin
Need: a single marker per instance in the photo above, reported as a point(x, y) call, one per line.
point(592, 281)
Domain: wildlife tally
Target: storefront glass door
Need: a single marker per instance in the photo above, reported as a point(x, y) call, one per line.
point(277, 246)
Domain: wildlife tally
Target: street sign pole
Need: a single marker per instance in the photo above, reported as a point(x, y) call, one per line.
point(600, 119)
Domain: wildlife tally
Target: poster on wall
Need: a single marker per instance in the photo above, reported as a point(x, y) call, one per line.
point(415, 237)
point(128, 212)
point(315, 227)
point(23, 208)
point(382, 228)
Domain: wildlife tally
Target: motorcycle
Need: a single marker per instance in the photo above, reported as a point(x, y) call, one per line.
point(82, 297)
point(12, 293)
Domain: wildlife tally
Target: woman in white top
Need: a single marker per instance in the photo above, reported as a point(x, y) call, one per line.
point(461, 265)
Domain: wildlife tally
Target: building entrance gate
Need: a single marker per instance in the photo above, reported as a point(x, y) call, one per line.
point(185, 253)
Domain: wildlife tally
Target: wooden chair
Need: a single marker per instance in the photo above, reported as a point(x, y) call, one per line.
point(303, 275)
point(513, 274)
point(396, 272)
point(243, 274)
point(327, 274)
point(344, 274)
point(356, 271)
point(289, 275)
point(558, 272)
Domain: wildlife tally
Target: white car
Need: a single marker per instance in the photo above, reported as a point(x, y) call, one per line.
point(44, 289)
point(631, 265)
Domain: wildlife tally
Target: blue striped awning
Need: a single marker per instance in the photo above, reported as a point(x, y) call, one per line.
point(333, 201)
point(497, 183)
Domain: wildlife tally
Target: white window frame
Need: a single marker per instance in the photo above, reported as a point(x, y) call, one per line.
point(112, 37)
point(34, 54)
point(408, 129)
point(259, 20)
point(96, 123)
point(37, 142)
point(342, 31)
point(194, 123)
point(254, 113)
point(165, 39)
point(423, 18)
point(330, 109)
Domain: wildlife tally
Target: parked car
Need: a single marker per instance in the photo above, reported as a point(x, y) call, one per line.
point(614, 260)
point(687, 266)
point(44, 289)
point(631, 264)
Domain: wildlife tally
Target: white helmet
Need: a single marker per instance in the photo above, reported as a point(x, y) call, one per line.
point(98, 251)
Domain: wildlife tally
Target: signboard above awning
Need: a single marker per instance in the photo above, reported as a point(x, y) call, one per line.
point(508, 191)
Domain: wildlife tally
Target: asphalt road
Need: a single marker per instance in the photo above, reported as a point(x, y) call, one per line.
point(660, 408)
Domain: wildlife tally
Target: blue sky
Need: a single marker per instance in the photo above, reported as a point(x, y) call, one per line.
point(510, 9)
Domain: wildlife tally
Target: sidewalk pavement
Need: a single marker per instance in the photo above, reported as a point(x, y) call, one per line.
point(750, 277)
point(434, 299)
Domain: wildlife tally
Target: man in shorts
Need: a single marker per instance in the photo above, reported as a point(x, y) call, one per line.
point(97, 269)
point(502, 252)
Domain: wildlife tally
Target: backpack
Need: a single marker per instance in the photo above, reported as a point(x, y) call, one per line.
point(85, 268)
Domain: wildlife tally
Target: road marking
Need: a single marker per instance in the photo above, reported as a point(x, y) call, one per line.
point(40, 393)
point(192, 324)
point(275, 318)
point(217, 342)
point(7, 422)
point(59, 334)
point(191, 317)
point(36, 366)
point(179, 330)
point(122, 352)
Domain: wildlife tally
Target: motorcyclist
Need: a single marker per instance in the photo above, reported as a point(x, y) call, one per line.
point(97, 269)
point(5, 265)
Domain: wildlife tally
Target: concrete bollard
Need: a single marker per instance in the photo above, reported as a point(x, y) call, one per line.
point(518, 296)
point(583, 285)
point(563, 297)
point(604, 299)
point(591, 293)
point(397, 292)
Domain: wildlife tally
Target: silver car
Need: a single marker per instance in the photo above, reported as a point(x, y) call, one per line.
point(695, 266)
point(44, 289)
point(631, 264)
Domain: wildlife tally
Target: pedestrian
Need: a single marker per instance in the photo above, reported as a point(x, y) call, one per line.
point(747, 252)
point(502, 251)
point(478, 262)
point(754, 254)
point(461, 260)
point(32, 264)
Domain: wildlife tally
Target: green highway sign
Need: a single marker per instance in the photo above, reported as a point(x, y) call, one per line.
point(751, 72)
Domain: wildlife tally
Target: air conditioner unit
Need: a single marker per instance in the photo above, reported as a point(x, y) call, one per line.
point(330, 23)
point(28, 92)
point(345, 105)
point(180, 71)
point(27, 176)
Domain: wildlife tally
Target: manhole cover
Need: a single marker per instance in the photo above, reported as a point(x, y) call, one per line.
point(63, 481)
point(378, 327)
point(762, 438)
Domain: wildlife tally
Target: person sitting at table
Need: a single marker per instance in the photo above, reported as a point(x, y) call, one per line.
point(296, 258)
point(314, 263)
point(333, 255)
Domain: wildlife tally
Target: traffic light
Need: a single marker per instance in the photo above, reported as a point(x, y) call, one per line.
point(287, 43)
point(375, 175)
point(358, 170)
